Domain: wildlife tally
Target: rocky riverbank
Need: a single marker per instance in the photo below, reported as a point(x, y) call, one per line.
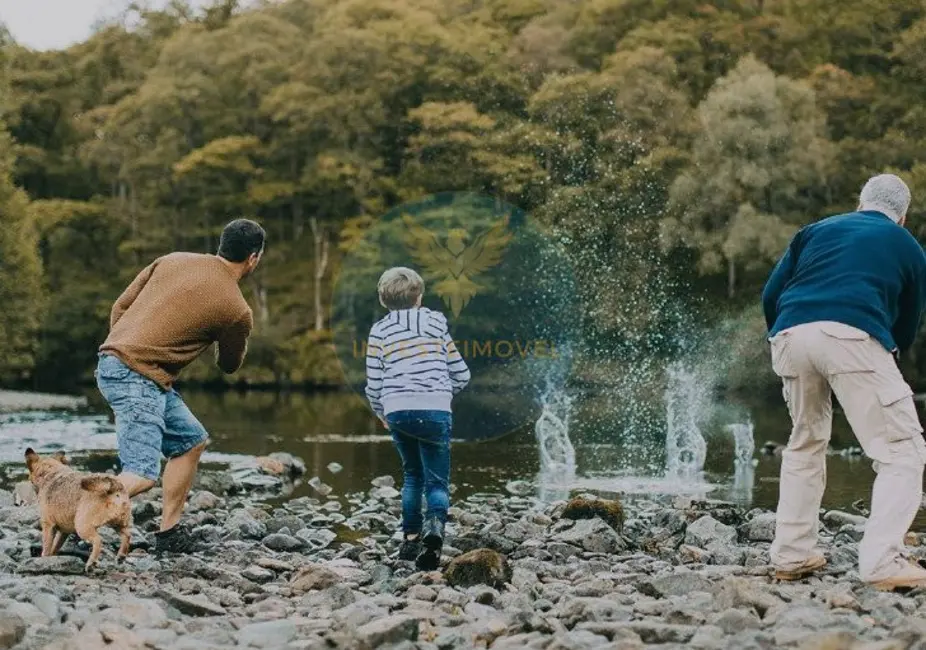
point(321, 573)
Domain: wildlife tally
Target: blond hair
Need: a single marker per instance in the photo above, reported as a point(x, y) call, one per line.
point(400, 288)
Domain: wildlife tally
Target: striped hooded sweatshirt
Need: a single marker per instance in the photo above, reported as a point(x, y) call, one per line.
point(412, 363)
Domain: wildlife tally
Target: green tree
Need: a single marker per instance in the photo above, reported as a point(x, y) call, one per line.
point(20, 274)
point(760, 153)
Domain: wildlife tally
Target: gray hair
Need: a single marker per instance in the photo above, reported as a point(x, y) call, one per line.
point(399, 288)
point(886, 193)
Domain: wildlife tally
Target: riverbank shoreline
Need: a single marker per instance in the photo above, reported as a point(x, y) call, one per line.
point(321, 573)
point(12, 401)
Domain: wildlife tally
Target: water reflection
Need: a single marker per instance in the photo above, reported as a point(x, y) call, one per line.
point(326, 428)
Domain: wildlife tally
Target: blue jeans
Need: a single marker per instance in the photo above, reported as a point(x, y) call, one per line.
point(422, 439)
point(149, 420)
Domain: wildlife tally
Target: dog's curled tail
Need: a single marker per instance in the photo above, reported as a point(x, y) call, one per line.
point(102, 485)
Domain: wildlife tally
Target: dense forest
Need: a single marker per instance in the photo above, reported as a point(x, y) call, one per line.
point(673, 145)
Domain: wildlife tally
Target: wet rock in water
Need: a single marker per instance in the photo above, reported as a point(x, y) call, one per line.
point(388, 630)
point(385, 493)
point(335, 468)
point(55, 564)
point(24, 494)
point(12, 630)
point(281, 464)
point(270, 466)
point(191, 605)
point(383, 481)
point(609, 511)
point(320, 487)
point(268, 634)
point(219, 483)
point(479, 567)
point(312, 577)
point(519, 488)
point(593, 535)
point(707, 530)
point(838, 519)
point(252, 479)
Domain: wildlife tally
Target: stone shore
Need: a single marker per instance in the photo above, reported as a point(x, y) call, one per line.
point(321, 573)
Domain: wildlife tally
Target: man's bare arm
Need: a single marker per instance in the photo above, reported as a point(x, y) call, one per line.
point(232, 344)
point(131, 292)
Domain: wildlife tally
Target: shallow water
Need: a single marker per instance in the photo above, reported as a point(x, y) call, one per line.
point(323, 428)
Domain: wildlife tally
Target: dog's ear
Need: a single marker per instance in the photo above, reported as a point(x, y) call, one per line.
point(31, 457)
point(61, 458)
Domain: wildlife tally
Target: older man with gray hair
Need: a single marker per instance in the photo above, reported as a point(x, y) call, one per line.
point(841, 304)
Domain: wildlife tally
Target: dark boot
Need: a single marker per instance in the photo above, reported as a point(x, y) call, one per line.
point(432, 541)
point(410, 549)
point(178, 539)
point(432, 537)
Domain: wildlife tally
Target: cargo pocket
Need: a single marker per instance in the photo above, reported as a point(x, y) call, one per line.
point(901, 421)
point(902, 432)
point(782, 363)
point(849, 349)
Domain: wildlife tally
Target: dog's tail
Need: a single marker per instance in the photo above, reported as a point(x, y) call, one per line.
point(102, 485)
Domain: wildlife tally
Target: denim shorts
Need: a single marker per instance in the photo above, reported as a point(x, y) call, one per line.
point(150, 422)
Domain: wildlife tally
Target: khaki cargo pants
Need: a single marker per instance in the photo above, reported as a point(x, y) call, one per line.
point(814, 361)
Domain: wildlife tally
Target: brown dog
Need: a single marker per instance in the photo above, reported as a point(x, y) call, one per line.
point(77, 502)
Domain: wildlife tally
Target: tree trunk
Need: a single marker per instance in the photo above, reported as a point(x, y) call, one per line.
point(298, 222)
point(731, 278)
point(320, 239)
point(263, 309)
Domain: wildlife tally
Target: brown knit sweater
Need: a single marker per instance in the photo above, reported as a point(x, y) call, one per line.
point(173, 310)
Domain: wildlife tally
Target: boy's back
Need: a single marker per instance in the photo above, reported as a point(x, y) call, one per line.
point(412, 363)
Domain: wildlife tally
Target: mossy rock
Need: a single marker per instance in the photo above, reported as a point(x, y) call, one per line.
point(480, 567)
point(609, 511)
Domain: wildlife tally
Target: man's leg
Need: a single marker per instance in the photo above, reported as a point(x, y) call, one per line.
point(138, 405)
point(879, 406)
point(185, 439)
point(176, 482)
point(803, 463)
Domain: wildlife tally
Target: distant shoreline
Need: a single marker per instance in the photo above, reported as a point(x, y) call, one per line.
point(11, 400)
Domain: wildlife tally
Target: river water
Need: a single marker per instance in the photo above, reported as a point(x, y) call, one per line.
point(336, 427)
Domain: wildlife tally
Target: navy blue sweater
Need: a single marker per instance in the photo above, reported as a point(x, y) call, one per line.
point(859, 269)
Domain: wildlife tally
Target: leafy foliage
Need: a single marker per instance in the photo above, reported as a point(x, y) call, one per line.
point(656, 140)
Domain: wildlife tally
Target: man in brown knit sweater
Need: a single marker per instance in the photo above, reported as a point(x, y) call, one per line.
point(171, 312)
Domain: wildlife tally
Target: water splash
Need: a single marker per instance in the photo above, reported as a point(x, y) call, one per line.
point(688, 404)
point(743, 463)
point(557, 454)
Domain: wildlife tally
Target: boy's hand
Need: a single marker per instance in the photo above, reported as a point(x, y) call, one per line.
point(383, 420)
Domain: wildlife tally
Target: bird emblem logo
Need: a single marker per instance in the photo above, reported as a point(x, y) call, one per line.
point(456, 263)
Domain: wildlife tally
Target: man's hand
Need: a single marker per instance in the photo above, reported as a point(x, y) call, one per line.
point(383, 420)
